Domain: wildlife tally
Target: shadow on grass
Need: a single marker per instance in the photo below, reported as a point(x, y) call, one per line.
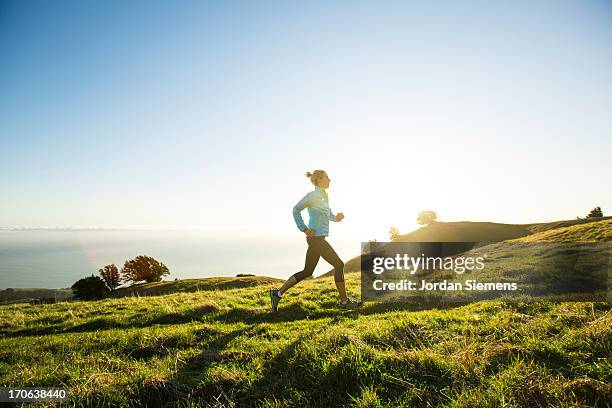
point(292, 312)
point(298, 311)
point(184, 385)
point(92, 325)
point(105, 323)
point(172, 344)
point(157, 392)
point(384, 307)
point(293, 378)
point(191, 384)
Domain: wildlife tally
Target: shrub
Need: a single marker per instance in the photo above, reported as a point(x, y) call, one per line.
point(110, 275)
point(143, 268)
point(92, 287)
point(595, 213)
point(393, 233)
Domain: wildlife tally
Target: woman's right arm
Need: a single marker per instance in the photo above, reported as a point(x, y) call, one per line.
point(297, 211)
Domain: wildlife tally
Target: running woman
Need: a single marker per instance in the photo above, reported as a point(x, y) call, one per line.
point(319, 215)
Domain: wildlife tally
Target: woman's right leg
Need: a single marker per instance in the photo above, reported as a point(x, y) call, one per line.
point(312, 258)
point(329, 254)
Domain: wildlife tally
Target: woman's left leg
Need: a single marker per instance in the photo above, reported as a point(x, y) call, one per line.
point(310, 263)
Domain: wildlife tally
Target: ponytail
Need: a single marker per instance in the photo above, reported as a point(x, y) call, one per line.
point(315, 175)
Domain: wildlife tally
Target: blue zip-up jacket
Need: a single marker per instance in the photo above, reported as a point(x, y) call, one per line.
point(319, 213)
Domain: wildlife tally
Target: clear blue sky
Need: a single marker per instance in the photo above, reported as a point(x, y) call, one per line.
point(207, 114)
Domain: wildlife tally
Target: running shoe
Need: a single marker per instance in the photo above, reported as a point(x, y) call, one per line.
point(350, 304)
point(274, 299)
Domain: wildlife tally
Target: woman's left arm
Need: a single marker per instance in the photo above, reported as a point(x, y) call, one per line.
point(332, 216)
point(335, 217)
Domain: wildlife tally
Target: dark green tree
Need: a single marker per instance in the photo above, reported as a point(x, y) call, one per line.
point(91, 287)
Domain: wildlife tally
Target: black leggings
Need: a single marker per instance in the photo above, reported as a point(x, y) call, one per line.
point(317, 247)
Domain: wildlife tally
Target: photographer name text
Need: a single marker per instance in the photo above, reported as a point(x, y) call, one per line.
point(409, 285)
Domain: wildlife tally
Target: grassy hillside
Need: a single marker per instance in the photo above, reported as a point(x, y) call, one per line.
point(25, 295)
point(571, 270)
point(20, 295)
point(214, 343)
point(600, 231)
point(466, 231)
point(193, 285)
point(224, 348)
point(541, 227)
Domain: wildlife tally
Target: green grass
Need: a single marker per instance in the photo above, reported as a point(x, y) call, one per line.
point(223, 348)
point(213, 342)
point(600, 231)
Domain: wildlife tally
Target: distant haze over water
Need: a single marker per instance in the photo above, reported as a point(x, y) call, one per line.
point(46, 258)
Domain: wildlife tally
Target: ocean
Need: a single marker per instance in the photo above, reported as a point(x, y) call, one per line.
point(58, 258)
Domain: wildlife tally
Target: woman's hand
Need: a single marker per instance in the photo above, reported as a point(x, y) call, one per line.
point(309, 232)
point(340, 216)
